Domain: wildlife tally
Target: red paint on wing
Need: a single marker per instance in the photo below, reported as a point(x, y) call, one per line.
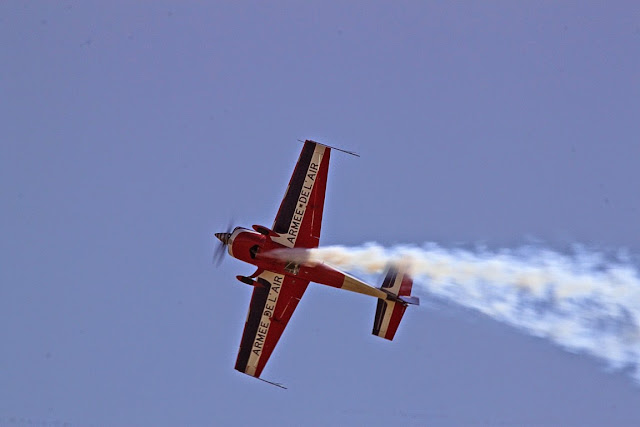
point(290, 294)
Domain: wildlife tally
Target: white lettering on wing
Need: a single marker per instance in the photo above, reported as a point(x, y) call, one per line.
point(290, 238)
point(268, 311)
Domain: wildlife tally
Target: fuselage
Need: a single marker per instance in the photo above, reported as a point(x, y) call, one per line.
point(257, 249)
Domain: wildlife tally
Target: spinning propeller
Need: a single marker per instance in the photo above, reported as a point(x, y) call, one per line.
point(218, 255)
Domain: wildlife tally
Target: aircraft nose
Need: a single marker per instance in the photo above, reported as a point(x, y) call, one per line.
point(223, 237)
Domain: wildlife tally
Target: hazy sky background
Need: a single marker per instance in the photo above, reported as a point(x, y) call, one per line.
point(131, 132)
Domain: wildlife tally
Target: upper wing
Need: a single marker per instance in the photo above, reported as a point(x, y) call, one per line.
point(271, 307)
point(299, 218)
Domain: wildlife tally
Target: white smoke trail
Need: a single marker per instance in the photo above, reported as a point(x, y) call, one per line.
point(580, 302)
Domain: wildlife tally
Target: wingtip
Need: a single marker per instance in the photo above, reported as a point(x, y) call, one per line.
point(329, 146)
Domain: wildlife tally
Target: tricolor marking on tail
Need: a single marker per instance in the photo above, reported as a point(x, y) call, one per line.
point(397, 283)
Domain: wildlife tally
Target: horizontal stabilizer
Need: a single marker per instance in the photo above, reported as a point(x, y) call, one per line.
point(410, 300)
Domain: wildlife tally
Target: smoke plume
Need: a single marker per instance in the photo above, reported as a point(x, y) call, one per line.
point(583, 302)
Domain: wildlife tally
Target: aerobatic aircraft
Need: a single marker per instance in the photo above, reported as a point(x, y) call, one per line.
point(280, 280)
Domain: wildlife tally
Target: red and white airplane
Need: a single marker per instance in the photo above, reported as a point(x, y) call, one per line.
point(280, 281)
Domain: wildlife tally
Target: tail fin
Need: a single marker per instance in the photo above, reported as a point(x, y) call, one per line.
point(397, 283)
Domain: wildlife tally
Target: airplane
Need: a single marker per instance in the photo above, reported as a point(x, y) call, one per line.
point(282, 277)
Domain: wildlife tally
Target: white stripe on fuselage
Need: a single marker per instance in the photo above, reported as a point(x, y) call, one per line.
point(289, 239)
point(259, 340)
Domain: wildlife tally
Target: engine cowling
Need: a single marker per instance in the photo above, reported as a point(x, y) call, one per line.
point(265, 231)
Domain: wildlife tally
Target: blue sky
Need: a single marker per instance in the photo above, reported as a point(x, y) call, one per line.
point(132, 132)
